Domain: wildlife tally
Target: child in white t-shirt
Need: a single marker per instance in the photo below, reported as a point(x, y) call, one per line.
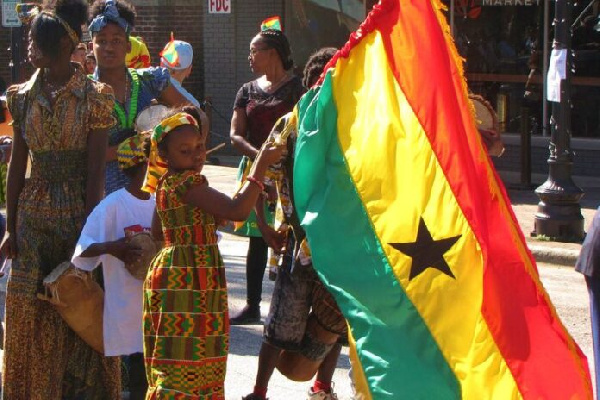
point(103, 241)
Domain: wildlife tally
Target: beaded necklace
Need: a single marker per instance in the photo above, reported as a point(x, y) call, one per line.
point(126, 120)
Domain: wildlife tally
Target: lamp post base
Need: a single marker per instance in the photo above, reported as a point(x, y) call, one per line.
point(558, 215)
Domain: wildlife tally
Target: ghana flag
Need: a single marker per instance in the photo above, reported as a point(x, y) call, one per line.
point(412, 231)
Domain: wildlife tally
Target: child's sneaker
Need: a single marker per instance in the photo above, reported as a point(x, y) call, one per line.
point(321, 395)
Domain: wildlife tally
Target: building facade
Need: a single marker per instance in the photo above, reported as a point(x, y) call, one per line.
point(502, 43)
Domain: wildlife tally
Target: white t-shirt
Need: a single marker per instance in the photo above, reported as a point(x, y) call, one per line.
point(123, 293)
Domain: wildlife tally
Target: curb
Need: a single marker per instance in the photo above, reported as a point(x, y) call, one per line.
point(550, 255)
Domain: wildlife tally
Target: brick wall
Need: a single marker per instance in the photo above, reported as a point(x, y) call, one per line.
point(5, 55)
point(157, 19)
point(5, 73)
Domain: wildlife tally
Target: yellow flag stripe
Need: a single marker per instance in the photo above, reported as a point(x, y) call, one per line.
point(396, 174)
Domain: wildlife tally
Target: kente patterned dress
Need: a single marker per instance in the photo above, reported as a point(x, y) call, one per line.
point(186, 322)
point(145, 84)
point(43, 358)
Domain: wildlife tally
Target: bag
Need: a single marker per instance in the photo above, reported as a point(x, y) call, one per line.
point(249, 227)
point(79, 300)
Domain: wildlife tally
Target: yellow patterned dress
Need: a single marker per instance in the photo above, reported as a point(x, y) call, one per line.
point(43, 358)
point(186, 322)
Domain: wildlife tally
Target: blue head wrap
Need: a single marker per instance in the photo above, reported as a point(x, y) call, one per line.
point(110, 14)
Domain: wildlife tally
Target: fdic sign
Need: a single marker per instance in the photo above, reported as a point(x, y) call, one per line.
point(219, 6)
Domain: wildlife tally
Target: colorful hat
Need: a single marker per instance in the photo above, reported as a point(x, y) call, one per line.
point(139, 56)
point(177, 54)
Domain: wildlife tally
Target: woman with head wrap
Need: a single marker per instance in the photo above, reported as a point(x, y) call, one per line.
point(61, 118)
point(110, 27)
point(258, 105)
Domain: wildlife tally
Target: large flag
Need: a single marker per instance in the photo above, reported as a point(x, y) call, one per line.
point(412, 231)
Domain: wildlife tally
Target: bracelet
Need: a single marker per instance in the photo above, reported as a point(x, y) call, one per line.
point(256, 182)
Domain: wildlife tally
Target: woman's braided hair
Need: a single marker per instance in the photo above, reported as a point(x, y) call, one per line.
point(275, 39)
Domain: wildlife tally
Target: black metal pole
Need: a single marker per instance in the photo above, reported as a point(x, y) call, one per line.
point(16, 42)
point(559, 212)
point(525, 128)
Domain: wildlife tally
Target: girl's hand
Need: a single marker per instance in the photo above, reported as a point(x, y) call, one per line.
point(8, 248)
point(271, 192)
point(270, 154)
point(275, 239)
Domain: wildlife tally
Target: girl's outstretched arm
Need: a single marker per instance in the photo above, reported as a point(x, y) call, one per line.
point(237, 208)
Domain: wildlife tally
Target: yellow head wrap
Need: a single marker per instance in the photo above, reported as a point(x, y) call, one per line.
point(157, 166)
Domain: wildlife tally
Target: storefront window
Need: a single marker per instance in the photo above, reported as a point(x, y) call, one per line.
point(322, 23)
point(501, 41)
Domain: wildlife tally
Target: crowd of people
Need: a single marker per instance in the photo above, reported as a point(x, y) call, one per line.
point(97, 180)
point(103, 194)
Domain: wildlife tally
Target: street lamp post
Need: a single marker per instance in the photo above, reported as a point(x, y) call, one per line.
point(559, 212)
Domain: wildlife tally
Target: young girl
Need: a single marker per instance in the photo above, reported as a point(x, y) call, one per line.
point(186, 323)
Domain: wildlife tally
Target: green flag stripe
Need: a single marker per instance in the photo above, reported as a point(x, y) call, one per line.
point(397, 352)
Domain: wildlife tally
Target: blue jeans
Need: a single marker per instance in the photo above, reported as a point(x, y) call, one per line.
point(593, 285)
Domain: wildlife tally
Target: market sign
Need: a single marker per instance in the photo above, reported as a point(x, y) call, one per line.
point(9, 14)
point(219, 6)
point(510, 2)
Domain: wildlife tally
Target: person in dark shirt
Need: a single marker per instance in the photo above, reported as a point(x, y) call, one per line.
point(258, 105)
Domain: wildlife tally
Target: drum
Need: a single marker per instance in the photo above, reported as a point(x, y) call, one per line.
point(149, 117)
point(79, 300)
point(301, 366)
point(146, 242)
point(487, 123)
point(325, 327)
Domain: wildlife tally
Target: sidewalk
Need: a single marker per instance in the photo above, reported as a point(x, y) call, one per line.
point(524, 203)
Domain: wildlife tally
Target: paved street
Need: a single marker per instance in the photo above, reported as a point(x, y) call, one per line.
point(565, 287)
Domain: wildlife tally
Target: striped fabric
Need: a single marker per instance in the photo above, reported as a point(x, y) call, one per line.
point(186, 323)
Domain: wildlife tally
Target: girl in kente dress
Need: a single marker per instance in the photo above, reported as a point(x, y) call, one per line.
point(61, 118)
point(186, 324)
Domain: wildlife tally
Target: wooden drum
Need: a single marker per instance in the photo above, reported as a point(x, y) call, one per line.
point(79, 300)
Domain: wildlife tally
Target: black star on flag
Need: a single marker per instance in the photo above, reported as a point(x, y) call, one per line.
point(426, 252)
